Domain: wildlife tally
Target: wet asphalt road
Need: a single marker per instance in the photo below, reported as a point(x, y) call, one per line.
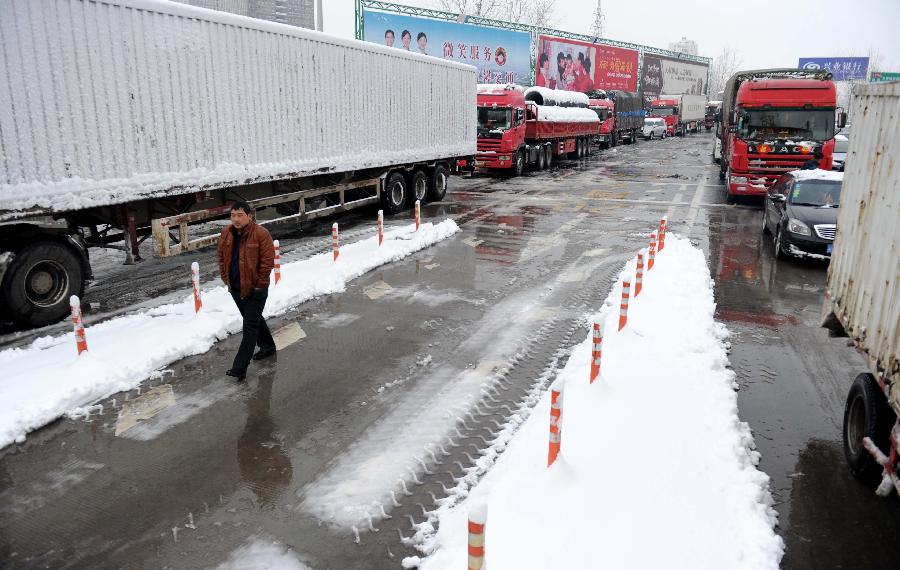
point(383, 364)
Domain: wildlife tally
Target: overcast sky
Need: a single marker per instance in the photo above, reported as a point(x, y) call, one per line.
point(765, 33)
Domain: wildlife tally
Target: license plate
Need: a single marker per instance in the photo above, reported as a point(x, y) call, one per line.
point(829, 248)
point(479, 163)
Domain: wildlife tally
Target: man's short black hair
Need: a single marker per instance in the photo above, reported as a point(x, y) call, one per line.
point(560, 56)
point(544, 57)
point(421, 35)
point(388, 31)
point(405, 33)
point(241, 205)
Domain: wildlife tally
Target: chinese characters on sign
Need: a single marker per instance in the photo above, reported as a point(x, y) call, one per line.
point(662, 75)
point(580, 66)
point(842, 68)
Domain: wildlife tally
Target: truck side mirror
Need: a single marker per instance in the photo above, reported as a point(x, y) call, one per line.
point(842, 120)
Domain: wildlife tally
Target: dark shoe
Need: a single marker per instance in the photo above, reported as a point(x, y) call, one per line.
point(264, 353)
point(235, 374)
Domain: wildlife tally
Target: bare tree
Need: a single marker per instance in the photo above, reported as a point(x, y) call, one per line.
point(531, 12)
point(726, 64)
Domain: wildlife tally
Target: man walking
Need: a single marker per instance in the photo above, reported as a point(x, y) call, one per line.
point(246, 258)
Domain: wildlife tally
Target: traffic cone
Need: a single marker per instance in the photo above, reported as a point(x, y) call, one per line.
point(596, 349)
point(78, 323)
point(477, 521)
point(277, 261)
point(663, 226)
point(418, 214)
point(195, 282)
point(556, 404)
point(651, 257)
point(380, 227)
point(639, 274)
point(334, 241)
point(623, 308)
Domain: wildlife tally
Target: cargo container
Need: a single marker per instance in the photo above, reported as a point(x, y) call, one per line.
point(621, 116)
point(862, 297)
point(122, 119)
point(682, 113)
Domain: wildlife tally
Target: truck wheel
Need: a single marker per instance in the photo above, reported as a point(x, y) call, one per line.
point(437, 185)
point(394, 195)
point(519, 166)
point(548, 150)
point(541, 159)
point(40, 281)
point(866, 414)
point(613, 139)
point(418, 186)
point(634, 137)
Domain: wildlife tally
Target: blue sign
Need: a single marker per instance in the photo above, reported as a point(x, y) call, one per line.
point(501, 56)
point(842, 68)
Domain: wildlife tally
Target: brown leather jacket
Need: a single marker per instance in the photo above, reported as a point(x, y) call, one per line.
point(257, 257)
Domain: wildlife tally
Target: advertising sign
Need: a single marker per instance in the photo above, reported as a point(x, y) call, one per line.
point(842, 68)
point(662, 75)
point(882, 76)
point(580, 66)
point(501, 56)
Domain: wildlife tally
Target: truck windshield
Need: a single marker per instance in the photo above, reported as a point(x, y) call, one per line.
point(602, 113)
point(821, 193)
point(662, 111)
point(803, 124)
point(490, 119)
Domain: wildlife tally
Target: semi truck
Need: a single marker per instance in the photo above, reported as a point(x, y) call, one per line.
point(711, 114)
point(157, 115)
point(621, 116)
point(772, 121)
point(682, 113)
point(533, 127)
point(862, 294)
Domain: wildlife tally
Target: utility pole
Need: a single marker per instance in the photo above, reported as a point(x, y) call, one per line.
point(319, 16)
point(599, 27)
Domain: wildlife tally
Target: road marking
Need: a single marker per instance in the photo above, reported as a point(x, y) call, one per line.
point(676, 200)
point(288, 335)
point(473, 241)
point(377, 290)
point(595, 252)
point(144, 407)
point(695, 208)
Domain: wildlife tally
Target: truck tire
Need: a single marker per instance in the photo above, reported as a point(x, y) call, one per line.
point(613, 139)
point(866, 414)
point(437, 184)
point(541, 159)
point(395, 193)
point(519, 164)
point(418, 186)
point(548, 150)
point(39, 282)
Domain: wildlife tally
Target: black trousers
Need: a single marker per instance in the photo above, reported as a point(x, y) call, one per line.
point(256, 331)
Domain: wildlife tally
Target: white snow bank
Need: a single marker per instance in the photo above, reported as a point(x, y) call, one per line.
point(817, 174)
point(47, 379)
point(263, 555)
point(656, 470)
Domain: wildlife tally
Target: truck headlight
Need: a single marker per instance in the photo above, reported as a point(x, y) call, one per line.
point(738, 179)
point(504, 158)
point(795, 226)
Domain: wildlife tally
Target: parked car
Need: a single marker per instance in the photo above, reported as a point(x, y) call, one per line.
point(801, 211)
point(654, 128)
point(839, 156)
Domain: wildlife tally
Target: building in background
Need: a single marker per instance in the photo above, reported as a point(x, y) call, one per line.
point(684, 45)
point(292, 12)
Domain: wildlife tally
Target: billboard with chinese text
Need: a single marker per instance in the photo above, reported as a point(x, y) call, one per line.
point(663, 75)
point(842, 68)
point(501, 56)
point(883, 76)
point(581, 66)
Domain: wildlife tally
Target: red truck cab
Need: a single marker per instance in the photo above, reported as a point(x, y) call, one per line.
point(667, 110)
point(501, 125)
point(605, 112)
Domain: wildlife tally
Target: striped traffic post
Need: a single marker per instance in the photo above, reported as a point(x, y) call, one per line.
point(334, 241)
point(380, 227)
point(477, 521)
point(596, 349)
point(663, 225)
point(418, 214)
point(639, 274)
point(195, 283)
point(78, 324)
point(623, 307)
point(651, 257)
point(277, 261)
point(556, 404)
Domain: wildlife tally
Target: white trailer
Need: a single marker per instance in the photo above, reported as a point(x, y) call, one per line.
point(862, 298)
point(121, 119)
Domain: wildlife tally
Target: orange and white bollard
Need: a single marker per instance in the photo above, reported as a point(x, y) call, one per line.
point(418, 214)
point(596, 349)
point(78, 323)
point(277, 261)
point(380, 227)
point(556, 405)
point(477, 521)
point(651, 256)
point(663, 226)
point(195, 282)
point(623, 308)
point(334, 240)
point(639, 274)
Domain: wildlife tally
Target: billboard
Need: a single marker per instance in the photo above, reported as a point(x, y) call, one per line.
point(842, 68)
point(882, 76)
point(663, 75)
point(501, 56)
point(581, 66)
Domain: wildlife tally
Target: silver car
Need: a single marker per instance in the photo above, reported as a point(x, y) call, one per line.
point(654, 128)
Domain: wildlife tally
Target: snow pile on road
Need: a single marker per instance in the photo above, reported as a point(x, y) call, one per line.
point(263, 554)
point(47, 379)
point(656, 469)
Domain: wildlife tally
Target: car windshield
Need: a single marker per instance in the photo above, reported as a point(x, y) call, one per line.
point(662, 111)
point(491, 119)
point(820, 193)
point(841, 143)
point(800, 124)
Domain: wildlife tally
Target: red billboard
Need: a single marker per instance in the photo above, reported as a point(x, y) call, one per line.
point(580, 66)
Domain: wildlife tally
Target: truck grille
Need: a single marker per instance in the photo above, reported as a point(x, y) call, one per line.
point(489, 145)
point(825, 231)
point(774, 164)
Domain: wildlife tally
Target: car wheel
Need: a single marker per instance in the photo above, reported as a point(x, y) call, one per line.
point(765, 224)
point(866, 414)
point(650, 138)
point(779, 244)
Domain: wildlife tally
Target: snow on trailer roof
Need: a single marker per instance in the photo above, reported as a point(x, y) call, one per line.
point(498, 88)
point(556, 97)
point(566, 115)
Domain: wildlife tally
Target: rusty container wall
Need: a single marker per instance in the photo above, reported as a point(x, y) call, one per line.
point(864, 276)
point(109, 101)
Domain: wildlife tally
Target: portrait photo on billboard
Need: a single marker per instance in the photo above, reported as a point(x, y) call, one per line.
point(501, 56)
point(663, 75)
point(572, 65)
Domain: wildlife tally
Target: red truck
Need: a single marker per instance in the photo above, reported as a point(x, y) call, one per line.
point(682, 113)
point(519, 128)
point(621, 116)
point(772, 121)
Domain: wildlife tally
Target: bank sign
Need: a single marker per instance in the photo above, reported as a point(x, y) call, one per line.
point(842, 68)
point(882, 76)
point(501, 56)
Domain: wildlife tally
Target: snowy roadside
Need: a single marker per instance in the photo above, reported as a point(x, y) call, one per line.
point(655, 469)
point(47, 379)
